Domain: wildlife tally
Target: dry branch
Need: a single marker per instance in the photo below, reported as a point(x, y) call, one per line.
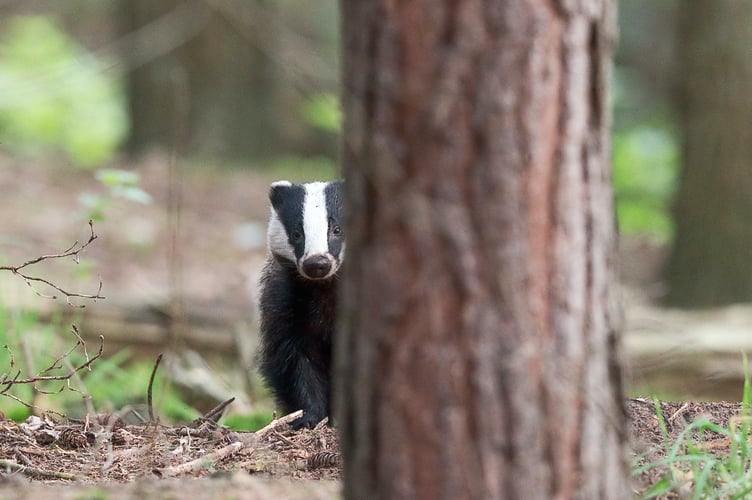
point(7, 381)
point(36, 473)
point(203, 462)
point(149, 391)
point(74, 251)
point(209, 459)
point(215, 413)
point(43, 378)
point(277, 422)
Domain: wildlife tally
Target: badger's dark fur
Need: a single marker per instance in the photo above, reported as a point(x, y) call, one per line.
point(298, 300)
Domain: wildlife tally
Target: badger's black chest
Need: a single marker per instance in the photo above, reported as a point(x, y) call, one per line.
point(314, 315)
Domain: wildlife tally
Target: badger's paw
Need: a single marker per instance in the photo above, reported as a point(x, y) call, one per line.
point(307, 422)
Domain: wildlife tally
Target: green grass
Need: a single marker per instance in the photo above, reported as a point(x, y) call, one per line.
point(252, 422)
point(693, 470)
point(115, 381)
point(31, 345)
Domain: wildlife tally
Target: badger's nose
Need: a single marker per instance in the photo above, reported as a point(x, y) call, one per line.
point(317, 266)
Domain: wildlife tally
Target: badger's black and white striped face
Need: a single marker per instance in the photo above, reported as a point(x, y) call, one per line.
point(305, 227)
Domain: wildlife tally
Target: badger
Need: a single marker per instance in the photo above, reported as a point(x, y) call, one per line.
point(298, 299)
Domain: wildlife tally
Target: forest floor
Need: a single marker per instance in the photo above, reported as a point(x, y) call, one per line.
point(104, 458)
point(220, 246)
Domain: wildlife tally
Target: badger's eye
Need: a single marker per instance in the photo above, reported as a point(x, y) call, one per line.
point(297, 235)
point(336, 230)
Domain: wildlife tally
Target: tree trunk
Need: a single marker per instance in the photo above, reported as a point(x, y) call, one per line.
point(710, 261)
point(212, 78)
point(477, 357)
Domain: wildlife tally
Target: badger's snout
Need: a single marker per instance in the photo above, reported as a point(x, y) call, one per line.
point(316, 267)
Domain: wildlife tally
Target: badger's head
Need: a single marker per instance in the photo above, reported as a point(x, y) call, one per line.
point(305, 228)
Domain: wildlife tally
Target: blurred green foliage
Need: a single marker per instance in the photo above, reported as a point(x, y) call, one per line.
point(304, 169)
point(121, 379)
point(122, 184)
point(56, 96)
point(252, 422)
point(323, 112)
point(645, 153)
point(645, 175)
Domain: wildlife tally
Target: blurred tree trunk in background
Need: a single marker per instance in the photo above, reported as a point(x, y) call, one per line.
point(711, 260)
point(216, 78)
point(478, 351)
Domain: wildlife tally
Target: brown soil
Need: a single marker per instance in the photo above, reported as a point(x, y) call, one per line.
point(649, 443)
point(103, 452)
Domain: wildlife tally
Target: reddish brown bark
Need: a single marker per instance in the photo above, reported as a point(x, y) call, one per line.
point(477, 353)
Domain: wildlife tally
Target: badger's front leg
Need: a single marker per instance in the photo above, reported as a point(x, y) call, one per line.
point(297, 382)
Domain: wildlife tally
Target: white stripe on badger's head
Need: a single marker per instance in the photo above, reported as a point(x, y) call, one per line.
point(315, 220)
point(304, 227)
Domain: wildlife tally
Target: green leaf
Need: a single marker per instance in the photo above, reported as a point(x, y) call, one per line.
point(323, 112)
point(112, 177)
point(132, 193)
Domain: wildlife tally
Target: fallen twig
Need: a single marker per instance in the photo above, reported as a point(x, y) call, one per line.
point(202, 462)
point(38, 473)
point(215, 413)
point(243, 442)
point(678, 412)
point(283, 438)
point(277, 422)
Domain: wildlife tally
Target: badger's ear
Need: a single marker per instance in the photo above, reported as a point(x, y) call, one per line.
point(277, 191)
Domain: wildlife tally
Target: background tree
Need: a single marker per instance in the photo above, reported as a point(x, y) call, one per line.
point(477, 357)
point(709, 262)
point(227, 77)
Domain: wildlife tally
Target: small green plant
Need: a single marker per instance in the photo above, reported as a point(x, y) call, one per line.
point(112, 383)
point(40, 363)
point(693, 469)
point(119, 381)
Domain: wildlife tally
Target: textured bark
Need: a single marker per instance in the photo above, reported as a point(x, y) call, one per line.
point(477, 355)
point(710, 261)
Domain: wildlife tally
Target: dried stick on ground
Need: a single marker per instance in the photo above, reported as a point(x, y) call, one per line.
point(203, 462)
point(36, 473)
point(215, 413)
point(243, 442)
point(277, 422)
point(74, 251)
